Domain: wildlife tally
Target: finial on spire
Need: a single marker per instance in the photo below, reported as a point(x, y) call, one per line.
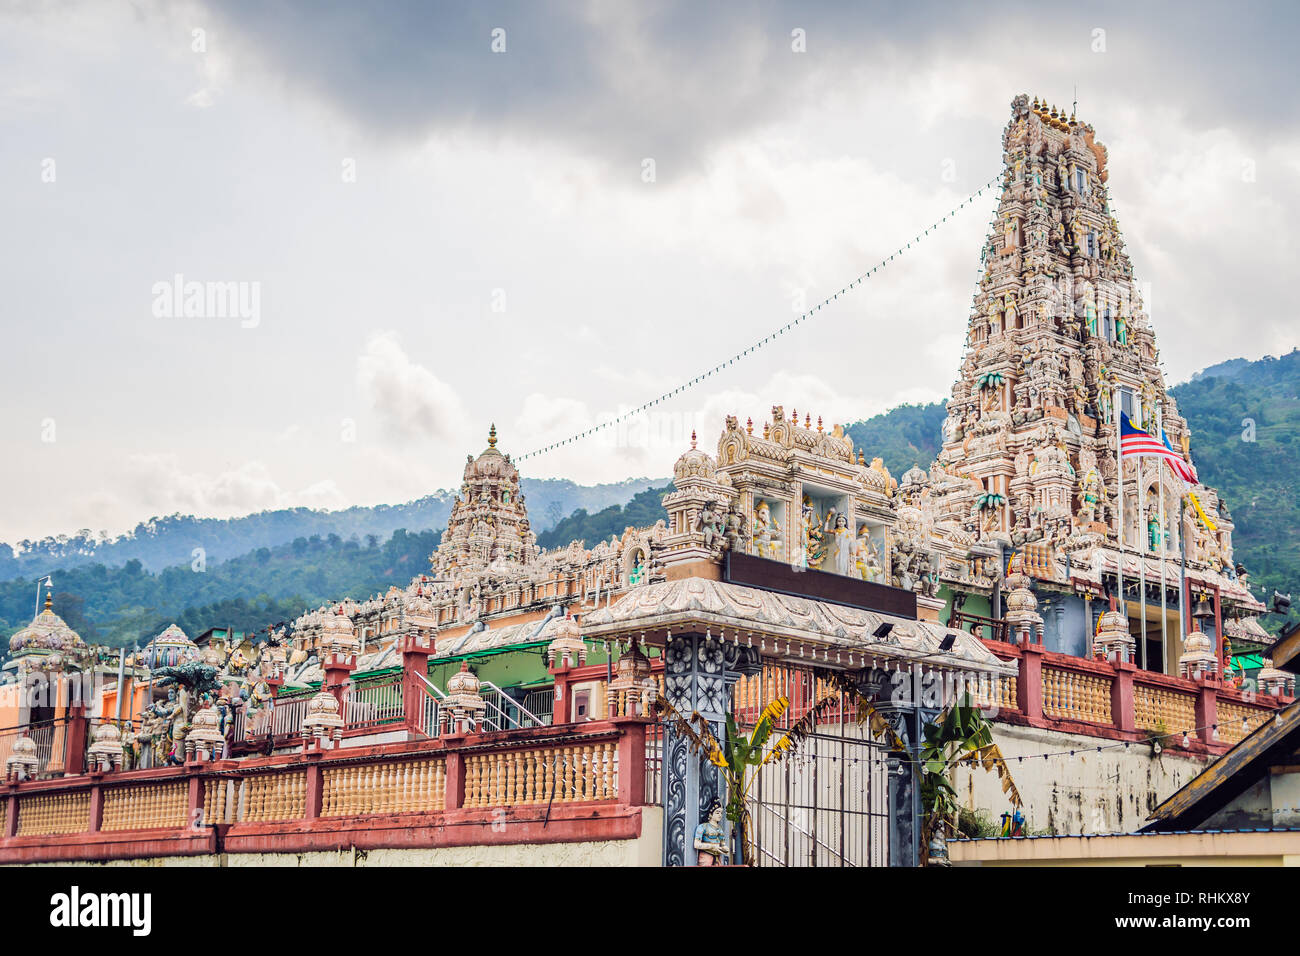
point(492, 436)
point(49, 599)
point(819, 423)
point(692, 439)
point(749, 425)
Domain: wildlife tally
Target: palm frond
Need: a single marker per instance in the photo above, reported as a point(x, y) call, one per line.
point(989, 757)
point(800, 729)
point(701, 741)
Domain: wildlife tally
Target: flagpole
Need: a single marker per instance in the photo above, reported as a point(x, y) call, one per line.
point(1144, 532)
point(1164, 610)
point(1182, 576)
point(1119, 498)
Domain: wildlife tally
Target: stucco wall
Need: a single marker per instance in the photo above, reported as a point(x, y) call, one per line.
point(1109, 792)
point(646, 850)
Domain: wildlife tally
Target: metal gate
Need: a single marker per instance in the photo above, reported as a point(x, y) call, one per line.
point(827, 803)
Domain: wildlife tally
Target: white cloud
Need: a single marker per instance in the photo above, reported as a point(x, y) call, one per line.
point(410, 400)
point(159, 484)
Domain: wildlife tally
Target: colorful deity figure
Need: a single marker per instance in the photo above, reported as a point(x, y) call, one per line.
point(1155, 533)
point(840, 547)
point(767, 532)
point(814, 545)
point(637, 572)
point(711, 839)
point(1090, 315)
point(1090, 494)
point(867, 560)
point(1121, 330)
point(1231, 675)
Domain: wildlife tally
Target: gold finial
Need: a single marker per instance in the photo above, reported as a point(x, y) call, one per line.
point(692, 439)
point(49, 599)
point(794, 416)
point(807, 420)
point(767, 427)
point(749, 425)
point(819, 423)
point(862, 459)
point(492, 436)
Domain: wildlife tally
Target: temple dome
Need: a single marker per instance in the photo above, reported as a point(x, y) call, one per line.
point(490, 463)
point(48, 633)
point(169, 648)
point(694, 463)
point(338, 636)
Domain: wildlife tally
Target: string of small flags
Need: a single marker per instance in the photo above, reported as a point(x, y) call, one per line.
point(803, 317)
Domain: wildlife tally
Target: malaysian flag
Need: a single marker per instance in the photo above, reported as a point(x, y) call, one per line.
point(1133, 442)
point(1182, 468)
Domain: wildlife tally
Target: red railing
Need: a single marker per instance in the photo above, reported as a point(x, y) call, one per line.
point(541, 785)
point(1121, 702)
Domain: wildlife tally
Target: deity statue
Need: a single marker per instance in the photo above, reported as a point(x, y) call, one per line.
point(1155, 534)
point(711, 840)
point(840, 548)
point(767, 532)
point(1104, 399)
point(1090, 494)
point(868, 556)
point(735, 529)
point(813, 544)
point(710, 523)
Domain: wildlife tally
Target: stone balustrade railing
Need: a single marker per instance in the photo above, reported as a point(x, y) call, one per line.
point(1121, 702)
point(558, 784)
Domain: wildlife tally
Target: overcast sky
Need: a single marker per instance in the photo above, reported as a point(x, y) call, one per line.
point(441, 234)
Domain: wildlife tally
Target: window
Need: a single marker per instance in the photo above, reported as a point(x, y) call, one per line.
point(1092, 243)
point(1128, 406)
point(1080, 180)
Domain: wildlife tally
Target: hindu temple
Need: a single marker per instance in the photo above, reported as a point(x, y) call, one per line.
point(518, 704)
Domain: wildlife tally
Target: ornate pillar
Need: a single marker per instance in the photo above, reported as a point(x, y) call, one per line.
point(897, 696)
point(699, 673)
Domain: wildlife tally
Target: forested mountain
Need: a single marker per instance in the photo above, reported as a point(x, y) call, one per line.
point(127, 604)
point(904, 436)
point(1245, 420)
point(644, 509)
point(164, 542)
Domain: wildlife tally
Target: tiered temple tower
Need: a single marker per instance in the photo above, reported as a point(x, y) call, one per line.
point(489, 519)
point(1057, 339)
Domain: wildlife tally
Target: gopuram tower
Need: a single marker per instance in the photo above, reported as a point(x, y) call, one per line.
point(488, 524)
point(1058, 344)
